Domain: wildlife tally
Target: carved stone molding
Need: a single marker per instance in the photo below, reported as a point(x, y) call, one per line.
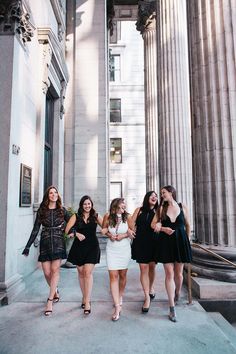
point(47, 57)
point(146, 16)
point(110, 15)
point(15, 19)
point(62, 98)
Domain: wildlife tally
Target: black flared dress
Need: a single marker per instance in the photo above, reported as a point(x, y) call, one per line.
point(144, 243)
point(175, 247)
point(88, 250)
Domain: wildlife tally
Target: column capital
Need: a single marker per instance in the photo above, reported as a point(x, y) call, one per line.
point(15, 19)
point(146, 16)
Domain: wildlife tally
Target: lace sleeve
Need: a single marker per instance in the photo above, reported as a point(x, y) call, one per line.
point(34, 232)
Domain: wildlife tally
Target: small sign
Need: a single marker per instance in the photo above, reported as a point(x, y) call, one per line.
point(25, 186)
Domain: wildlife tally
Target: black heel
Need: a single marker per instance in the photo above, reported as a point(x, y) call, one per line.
point(87, 311)
point(48, 312)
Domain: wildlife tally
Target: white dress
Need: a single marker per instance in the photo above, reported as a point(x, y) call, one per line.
point(118, 252)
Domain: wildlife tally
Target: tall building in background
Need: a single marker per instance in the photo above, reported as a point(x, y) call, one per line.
point(127, 116)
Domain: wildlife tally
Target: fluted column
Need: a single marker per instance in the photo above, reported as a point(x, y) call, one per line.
point(146, 24)
point(212, 29)
point(175, 156)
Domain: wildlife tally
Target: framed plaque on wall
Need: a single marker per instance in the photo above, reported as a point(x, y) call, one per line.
point(25, 185)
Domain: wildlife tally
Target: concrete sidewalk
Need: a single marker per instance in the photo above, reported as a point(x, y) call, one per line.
point(24, 328)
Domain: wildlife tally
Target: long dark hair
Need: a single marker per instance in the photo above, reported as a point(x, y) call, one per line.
point(112, 219)
point(45, 202)
point(163, 204)
point(146, 206)
point(92, 214)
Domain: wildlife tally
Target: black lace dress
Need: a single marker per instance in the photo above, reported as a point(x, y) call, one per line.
point(52, 243)
point(176, 247)
point(88, 250)
point(144, 243)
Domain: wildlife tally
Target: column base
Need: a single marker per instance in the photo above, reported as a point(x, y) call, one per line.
point(11, 288)
point(207, 265)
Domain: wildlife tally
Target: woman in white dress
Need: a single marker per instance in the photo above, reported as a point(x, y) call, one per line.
point(117, 225)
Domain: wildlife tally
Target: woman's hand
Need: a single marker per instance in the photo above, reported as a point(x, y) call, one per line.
point(157, 227)
point(81, 237)
point(70, 235)
point(112, 237)
point(167, 230)
point(131, 234)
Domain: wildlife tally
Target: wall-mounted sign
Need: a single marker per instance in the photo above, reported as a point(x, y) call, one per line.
point(25, 185)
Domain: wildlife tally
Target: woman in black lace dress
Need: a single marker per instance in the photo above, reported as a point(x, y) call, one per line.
point(85, 251)
point(172, 225)
point(52, 217)
point(143, 246)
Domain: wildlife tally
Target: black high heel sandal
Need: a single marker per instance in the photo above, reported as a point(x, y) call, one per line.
point(172, 314)
point(87, 311)
point(56, 296)
point(48, 312)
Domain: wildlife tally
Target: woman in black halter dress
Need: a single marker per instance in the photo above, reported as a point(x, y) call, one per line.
point(173, 247)
point(144, 244)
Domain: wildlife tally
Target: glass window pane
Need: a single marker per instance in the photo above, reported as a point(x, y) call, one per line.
point(116, 150)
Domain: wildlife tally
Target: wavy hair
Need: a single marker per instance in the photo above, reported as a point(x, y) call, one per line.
point(112, 218)
point(92, 214)
point(146, 206)
point(163, 204)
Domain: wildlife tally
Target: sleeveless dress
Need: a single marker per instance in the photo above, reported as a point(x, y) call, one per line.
point(144, 243)
point(118, 253)
point(175, 247)
point(88, 250)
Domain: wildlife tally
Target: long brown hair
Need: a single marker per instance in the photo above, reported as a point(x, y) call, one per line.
point(45, 202)
point(112, 219)
point(163, 204)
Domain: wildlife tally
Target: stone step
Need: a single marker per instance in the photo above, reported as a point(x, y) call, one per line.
point(3, 299)
point(228, 330)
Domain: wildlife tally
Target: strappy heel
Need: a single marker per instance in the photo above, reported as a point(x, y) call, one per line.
point(172, 314)
point(56, 296)
point(116, 315)
point(87, 311)
point(48, 312)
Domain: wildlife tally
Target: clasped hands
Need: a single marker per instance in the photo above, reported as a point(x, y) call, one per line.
point(166, 230)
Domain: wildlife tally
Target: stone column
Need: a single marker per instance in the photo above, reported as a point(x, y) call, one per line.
point(212, 29)
point(146, 24)
point(175, 156)
point(86, 120)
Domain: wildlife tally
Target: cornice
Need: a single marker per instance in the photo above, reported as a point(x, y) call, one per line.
point(15, 19)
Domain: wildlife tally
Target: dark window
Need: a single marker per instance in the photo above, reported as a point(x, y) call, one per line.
point(116, 150)
point(115, 110)
point(114, 67)
point(48, 154)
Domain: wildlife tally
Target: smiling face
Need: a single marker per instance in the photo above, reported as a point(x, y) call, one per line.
point(52, 195)
point(121, 207)
point(87, 206)
point(166, 196)
point(152, 199)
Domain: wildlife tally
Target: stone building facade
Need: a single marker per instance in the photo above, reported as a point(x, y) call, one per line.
point(54, 115)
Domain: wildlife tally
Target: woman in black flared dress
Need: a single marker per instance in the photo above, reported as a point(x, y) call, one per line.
point(52, 217)
point(173, 247)
point(85, 250)
point(144, 244)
